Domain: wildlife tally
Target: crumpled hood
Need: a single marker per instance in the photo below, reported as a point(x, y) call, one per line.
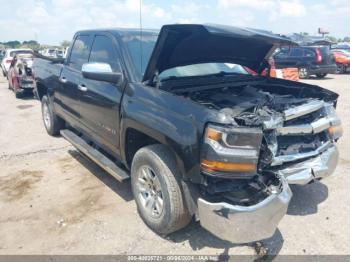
point(180, 45)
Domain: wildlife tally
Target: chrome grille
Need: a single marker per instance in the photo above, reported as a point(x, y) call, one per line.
point(321, 116)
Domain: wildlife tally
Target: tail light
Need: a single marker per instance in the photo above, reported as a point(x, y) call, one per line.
point(318, 56)
point(8, 61)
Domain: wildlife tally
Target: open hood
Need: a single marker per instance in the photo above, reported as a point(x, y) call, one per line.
point(180, 45)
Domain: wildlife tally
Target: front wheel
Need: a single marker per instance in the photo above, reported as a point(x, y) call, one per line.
point(157, 190)
point(52, 122)
point(303, 72)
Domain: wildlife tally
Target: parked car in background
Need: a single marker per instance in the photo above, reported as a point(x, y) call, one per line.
point(310, 60)
point(8, 57)
point(50, 53)
point(342, 58)
point(20, 76)
point(59, 54)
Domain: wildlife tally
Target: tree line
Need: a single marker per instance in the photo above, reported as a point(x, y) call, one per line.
point(32, 44)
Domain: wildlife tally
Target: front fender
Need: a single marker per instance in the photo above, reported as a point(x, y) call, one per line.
point(167, 119)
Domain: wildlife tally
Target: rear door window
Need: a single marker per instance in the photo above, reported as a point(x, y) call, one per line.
point(80, 52)
point(283, 53)
point(103, 51)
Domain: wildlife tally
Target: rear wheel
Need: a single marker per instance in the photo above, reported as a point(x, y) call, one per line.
point(303, 72)
point(52, 122)
point(321, 75)
point(157, 190)
point(341, 69)
point(18, 94)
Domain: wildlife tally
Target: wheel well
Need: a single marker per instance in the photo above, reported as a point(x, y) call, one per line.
point(41, 90)
point(134, 141)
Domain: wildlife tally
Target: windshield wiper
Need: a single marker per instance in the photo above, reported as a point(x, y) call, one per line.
point(224, 73)
point(219, 74)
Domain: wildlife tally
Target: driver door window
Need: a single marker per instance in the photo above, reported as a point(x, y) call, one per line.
point(80, 52)
point(103, 52)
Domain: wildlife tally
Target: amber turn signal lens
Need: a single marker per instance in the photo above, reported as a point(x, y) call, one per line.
point(335, 130)
point(213, 134)
point(227, 167)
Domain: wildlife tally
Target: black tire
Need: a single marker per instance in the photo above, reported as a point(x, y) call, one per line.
point(303, 72)
point(321, 75)
point(341, 69)
point(52, 122)
point(18, 94)
point(174, 215)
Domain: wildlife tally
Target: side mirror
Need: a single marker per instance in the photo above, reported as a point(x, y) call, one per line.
point(101, 72)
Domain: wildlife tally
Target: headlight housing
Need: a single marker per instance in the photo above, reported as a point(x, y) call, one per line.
point(230, 152)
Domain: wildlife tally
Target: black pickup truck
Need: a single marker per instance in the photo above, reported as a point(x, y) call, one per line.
point(177, 112)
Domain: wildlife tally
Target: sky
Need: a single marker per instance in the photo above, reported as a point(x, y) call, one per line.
point(52, 21)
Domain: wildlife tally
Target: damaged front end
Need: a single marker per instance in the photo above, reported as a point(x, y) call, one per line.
point(246, 214)
point(236, 204)
point(298, 133)
point(270, 138)
point(261, 133)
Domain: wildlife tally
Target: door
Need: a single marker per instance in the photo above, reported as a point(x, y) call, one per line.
point(67, 96)
point(100, 100)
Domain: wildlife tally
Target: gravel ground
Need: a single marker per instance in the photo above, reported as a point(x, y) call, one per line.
point(55, 201)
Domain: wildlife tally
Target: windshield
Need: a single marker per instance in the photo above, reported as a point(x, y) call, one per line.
point(203, 69)
point(140, 51)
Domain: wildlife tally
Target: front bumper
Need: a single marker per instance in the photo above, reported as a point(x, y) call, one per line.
point(318, 167)
point(244, 224)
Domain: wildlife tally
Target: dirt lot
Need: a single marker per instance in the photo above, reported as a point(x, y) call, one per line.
point(55, 201)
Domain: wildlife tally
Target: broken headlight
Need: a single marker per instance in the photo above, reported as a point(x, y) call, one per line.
point(230, 152)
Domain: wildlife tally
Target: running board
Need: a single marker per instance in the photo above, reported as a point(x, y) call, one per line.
point(100, 159)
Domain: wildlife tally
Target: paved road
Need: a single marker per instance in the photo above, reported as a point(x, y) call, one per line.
point(55, 201)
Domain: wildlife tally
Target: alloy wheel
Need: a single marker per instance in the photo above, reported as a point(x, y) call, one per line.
point(303, 72)
point(149, 191)
point(46, 116)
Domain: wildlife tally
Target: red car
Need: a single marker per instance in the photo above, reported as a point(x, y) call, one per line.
point(20, 75)
point(342, 58)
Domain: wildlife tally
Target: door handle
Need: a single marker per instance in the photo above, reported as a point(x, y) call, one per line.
point(63, 79)
point(82, 87)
